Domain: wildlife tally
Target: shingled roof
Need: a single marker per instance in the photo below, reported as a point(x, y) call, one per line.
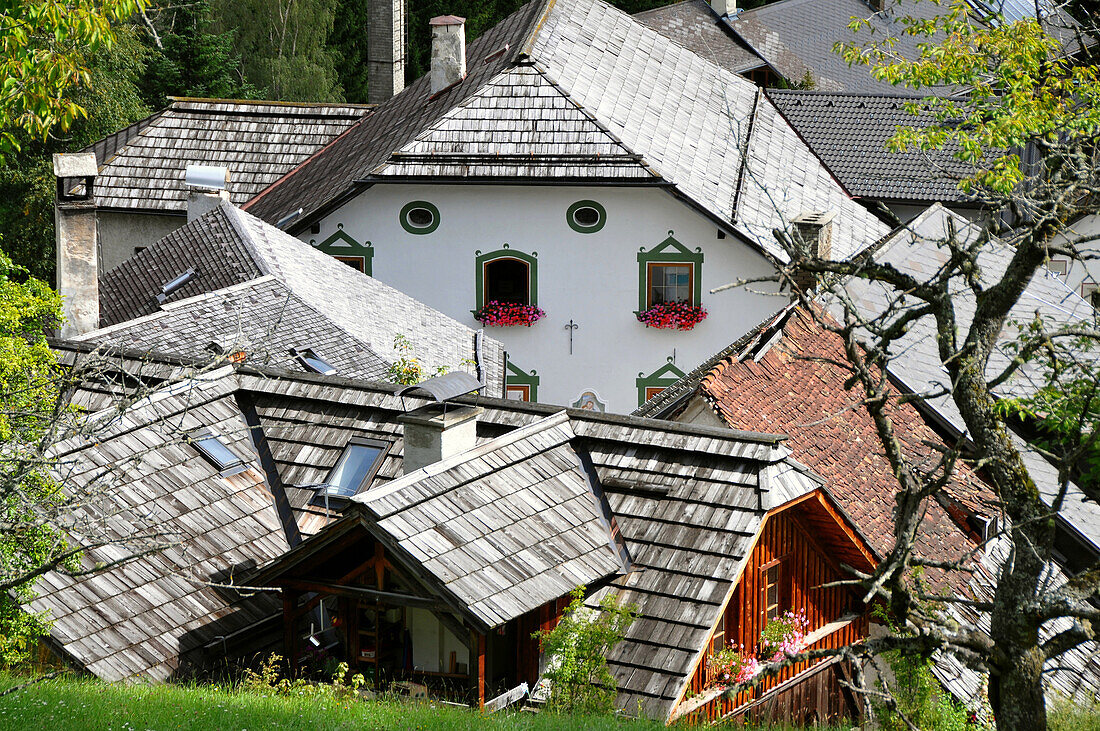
point(141, 167)
point(581, 92)
point(849, 133)
point(695, 26)
point(260, 289)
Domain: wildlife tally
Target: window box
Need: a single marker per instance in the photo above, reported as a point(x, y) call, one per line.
point(672, 315)
point(508, 314)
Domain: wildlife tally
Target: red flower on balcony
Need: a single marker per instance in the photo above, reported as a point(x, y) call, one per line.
point(670, 315)
point(508, 314)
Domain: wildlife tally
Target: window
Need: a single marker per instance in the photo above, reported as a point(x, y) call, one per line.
point(1091, 292)
point(586, 217)
point(355, 262)
point(652, 391)
point(311, 361)
point(215, 452)
point(507, 280)
point(769, 588)
point(517, 392)
point(718, 639)
point(419, 217)
point(657, 381)
point(356, 467)
point(1058, 266)
point(507, 275)
point(668, 273)
point(669, 283)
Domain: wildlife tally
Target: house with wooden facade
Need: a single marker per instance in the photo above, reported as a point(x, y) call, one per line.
point(426, 542)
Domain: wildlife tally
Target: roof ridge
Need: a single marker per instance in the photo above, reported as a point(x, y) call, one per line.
point(523, 432)
point(857, 94)
point(244, 230)
point(526, 47)
point(268, 102)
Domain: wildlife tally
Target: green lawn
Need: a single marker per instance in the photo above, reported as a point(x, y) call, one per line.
point(67, 703)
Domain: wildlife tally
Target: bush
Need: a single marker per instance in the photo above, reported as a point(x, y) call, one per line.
point(921, 698)
point(577, 649)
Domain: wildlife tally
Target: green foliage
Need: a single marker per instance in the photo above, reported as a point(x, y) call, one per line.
point(348, 42)
point(43, 48)
point(1022, 90)
point(19, 632)
point(283, 46)
point(407, 369)
point(195, 61)
point(577, 649)
point(920, 698)
point(268, 681)
point(113, 100)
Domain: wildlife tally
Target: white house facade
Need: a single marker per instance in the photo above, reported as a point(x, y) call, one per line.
point(497, 241)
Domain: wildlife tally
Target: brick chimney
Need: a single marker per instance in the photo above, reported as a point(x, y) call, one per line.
point(448, 51)
point(812, 232)
point(207, 188)
point(436, 432)
point(385, 49)
point(724, 7)
point(77, 248)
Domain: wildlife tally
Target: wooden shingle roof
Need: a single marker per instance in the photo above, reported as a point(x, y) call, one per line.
point(258, 285)
point(142, 166)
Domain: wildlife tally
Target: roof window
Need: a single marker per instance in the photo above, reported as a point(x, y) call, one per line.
point(311, 361)
point(215, 452)
point(175, 284)
point(355, 469)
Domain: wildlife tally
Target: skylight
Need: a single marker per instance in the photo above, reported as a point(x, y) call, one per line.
point(175, 284)
point(355, 468)
point(215, 452)
point(312, 362)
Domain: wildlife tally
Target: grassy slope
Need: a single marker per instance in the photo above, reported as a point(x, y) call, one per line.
point(62, 704)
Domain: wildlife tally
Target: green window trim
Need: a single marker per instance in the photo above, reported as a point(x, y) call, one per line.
point(581, 228)
point(669, 251)
point(340, 243)
point(515, 376)
point(663, 377)
point(403, 218)
point(506, 252)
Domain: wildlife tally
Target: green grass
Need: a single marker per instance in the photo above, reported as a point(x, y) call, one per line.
point(70, 703)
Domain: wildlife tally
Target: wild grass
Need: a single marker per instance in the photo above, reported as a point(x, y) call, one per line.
point(68, 703)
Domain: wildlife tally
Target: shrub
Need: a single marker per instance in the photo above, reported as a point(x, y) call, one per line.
point(577, 649)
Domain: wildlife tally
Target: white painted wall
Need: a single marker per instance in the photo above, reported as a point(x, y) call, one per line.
point(1081, 276)
point(432, 643)
point(591, 279)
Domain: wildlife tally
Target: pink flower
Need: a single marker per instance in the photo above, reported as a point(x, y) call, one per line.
point(668, 315)
point(507, 314)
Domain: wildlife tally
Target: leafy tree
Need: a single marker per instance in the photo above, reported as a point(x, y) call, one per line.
point(348, 42)
point(28, 395)
point(577, 650)
point(189, 59)
point(112, 100)
point(42, 58)
point(283, 46)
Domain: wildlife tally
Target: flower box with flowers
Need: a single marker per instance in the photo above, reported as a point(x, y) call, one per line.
point(508, 314)
point(731, 665)
point(783, 636)
point(673, 315)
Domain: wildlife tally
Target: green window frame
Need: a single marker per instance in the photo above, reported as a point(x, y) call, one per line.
point(406, 224)
point(672, 252)
point(506, 252)
point(580, 227)
point(661, 378)
point(514, 376)
point(345, 248)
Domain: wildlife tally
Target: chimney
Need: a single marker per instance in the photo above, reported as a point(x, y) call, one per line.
point(206, 189)
point(385, 49)
point(724, 7)
point(77, 250)
point(448, 51)
point(438, 431)
point(812, 232)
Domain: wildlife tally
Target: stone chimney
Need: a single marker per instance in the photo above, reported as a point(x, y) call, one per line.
point(77, 248)
point(438, 431)
point(448, 51)
point(812, 232)
point(724, 7)
point(207, 188)
point(385, 49)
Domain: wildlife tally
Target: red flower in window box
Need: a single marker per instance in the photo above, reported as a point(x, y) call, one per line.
point(669, 315)
point(508, 314)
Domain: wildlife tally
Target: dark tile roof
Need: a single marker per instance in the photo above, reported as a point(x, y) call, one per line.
point(142, 166)
point(344, 312)
point(849, 133)
point(621, 101)
point(693, 25)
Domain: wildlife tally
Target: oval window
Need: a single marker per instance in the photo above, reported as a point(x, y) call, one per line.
point(419, 217)
point(586, 217)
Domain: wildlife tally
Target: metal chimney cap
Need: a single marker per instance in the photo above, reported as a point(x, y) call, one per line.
point(75, 165)
point(212, 177)
point(447, 386)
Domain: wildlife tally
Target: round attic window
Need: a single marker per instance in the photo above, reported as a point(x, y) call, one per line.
point(586, 217)
point(419, 217)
